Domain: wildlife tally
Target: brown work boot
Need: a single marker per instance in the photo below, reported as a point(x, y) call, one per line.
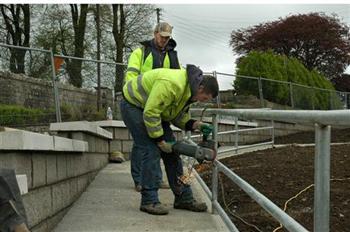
point(155, 209)
point(21, 228)
point(191, 206)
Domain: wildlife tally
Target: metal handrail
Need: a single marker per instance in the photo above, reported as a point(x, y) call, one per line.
point(322, 120)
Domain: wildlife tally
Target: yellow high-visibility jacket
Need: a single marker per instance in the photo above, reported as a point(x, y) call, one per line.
point(147, 57)
point(165, 95)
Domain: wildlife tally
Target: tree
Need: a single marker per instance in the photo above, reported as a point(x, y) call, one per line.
point(319, 41)
point(131, 24)
point(79, 25)
point(17, 24)
point(119, 24)
point(281, 68)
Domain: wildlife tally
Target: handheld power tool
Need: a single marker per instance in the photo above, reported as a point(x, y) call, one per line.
point(205, 150)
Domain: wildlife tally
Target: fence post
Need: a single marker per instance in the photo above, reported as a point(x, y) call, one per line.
point(331, 99)
point(313, 98)
point(218, 100)
point(273, 132)
point(55, 89)
point(322, 178)
point(215, 168)
point(261, 96)
point(291, 94)
point(236, 134)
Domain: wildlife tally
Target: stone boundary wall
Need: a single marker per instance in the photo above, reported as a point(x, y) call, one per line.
point(18, 89)
point(57, 173)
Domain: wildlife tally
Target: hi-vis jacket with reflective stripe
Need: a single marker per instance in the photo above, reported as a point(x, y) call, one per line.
point(148, 57)
point(164, 94)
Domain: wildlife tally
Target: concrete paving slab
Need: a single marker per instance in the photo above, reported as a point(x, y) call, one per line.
point(110, 203)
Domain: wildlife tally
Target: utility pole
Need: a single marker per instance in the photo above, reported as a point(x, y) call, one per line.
point(158, 14)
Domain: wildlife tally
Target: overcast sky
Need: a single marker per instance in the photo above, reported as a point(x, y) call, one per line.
point(202, 32)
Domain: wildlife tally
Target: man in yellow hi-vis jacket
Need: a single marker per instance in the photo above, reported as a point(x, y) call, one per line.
point(151, 101)
point(155, 53)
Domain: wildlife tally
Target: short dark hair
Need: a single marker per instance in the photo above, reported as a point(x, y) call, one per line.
point(210, 85)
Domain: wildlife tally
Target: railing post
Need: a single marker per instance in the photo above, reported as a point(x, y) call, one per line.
point(214, 189)
point(215, 168)
point(273, 132)
point(55, 89)
point(236, 134)
point(322, 178)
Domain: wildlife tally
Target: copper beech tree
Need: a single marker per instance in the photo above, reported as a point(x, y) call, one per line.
point(319, 41)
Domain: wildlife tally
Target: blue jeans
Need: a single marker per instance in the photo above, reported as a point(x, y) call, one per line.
point(148, 151)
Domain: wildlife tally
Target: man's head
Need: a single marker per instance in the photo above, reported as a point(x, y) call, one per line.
point(207, 90)
point(162, 34)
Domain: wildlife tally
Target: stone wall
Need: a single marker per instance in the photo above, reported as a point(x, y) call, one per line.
point(58, 169)
point(18, 89)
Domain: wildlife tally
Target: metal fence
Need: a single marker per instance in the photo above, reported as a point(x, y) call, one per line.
point(95, 75)
point(323, 120)
point(284, 94)
point(101, 75)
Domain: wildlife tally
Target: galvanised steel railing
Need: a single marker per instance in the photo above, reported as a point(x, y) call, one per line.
point(322, 120)
point(53, 71)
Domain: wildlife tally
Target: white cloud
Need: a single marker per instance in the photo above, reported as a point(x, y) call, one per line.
point(202, 31)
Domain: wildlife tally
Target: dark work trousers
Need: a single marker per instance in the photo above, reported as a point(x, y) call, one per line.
point(150, 156)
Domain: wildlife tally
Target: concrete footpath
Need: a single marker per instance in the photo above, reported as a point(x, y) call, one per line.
point(110, 203)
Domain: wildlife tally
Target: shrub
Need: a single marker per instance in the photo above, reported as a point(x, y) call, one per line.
point(281, 68)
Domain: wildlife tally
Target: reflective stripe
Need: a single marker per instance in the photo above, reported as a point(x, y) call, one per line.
point(154, 129)
point(132, 69)
point(132, 95)
point(141, 90)
point(151, 119)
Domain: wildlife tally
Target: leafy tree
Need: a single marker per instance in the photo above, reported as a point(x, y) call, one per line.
point(275, 68)
point(131, 25)
point(17, 24)
point(319, 41)
point(79, 25)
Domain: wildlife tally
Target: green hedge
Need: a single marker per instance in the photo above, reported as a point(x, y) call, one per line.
point(14, 115)
point(281, 68)
point(19, 115)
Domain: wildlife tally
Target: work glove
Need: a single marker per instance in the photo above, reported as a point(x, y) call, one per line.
point(166, 147)
point(206, 129)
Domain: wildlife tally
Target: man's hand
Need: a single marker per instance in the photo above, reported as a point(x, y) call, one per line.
point(166, 147)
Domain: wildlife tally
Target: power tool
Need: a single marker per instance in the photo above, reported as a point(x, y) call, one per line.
point(205, 150)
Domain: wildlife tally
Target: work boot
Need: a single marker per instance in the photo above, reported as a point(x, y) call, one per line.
point(21, 228)
point(191, 206)
point(154, 208)
point(138, 187)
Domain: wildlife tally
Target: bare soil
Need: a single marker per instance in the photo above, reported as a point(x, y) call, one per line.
point(280, 174)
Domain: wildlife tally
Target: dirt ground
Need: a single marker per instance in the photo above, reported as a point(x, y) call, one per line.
point(280, 174)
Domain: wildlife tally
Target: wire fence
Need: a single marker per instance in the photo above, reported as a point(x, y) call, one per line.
point(98, 80)
point(280, 94)
point(49, 92)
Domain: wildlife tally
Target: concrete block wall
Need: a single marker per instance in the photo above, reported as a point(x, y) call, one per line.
point(122, 140)
point(58, 171)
